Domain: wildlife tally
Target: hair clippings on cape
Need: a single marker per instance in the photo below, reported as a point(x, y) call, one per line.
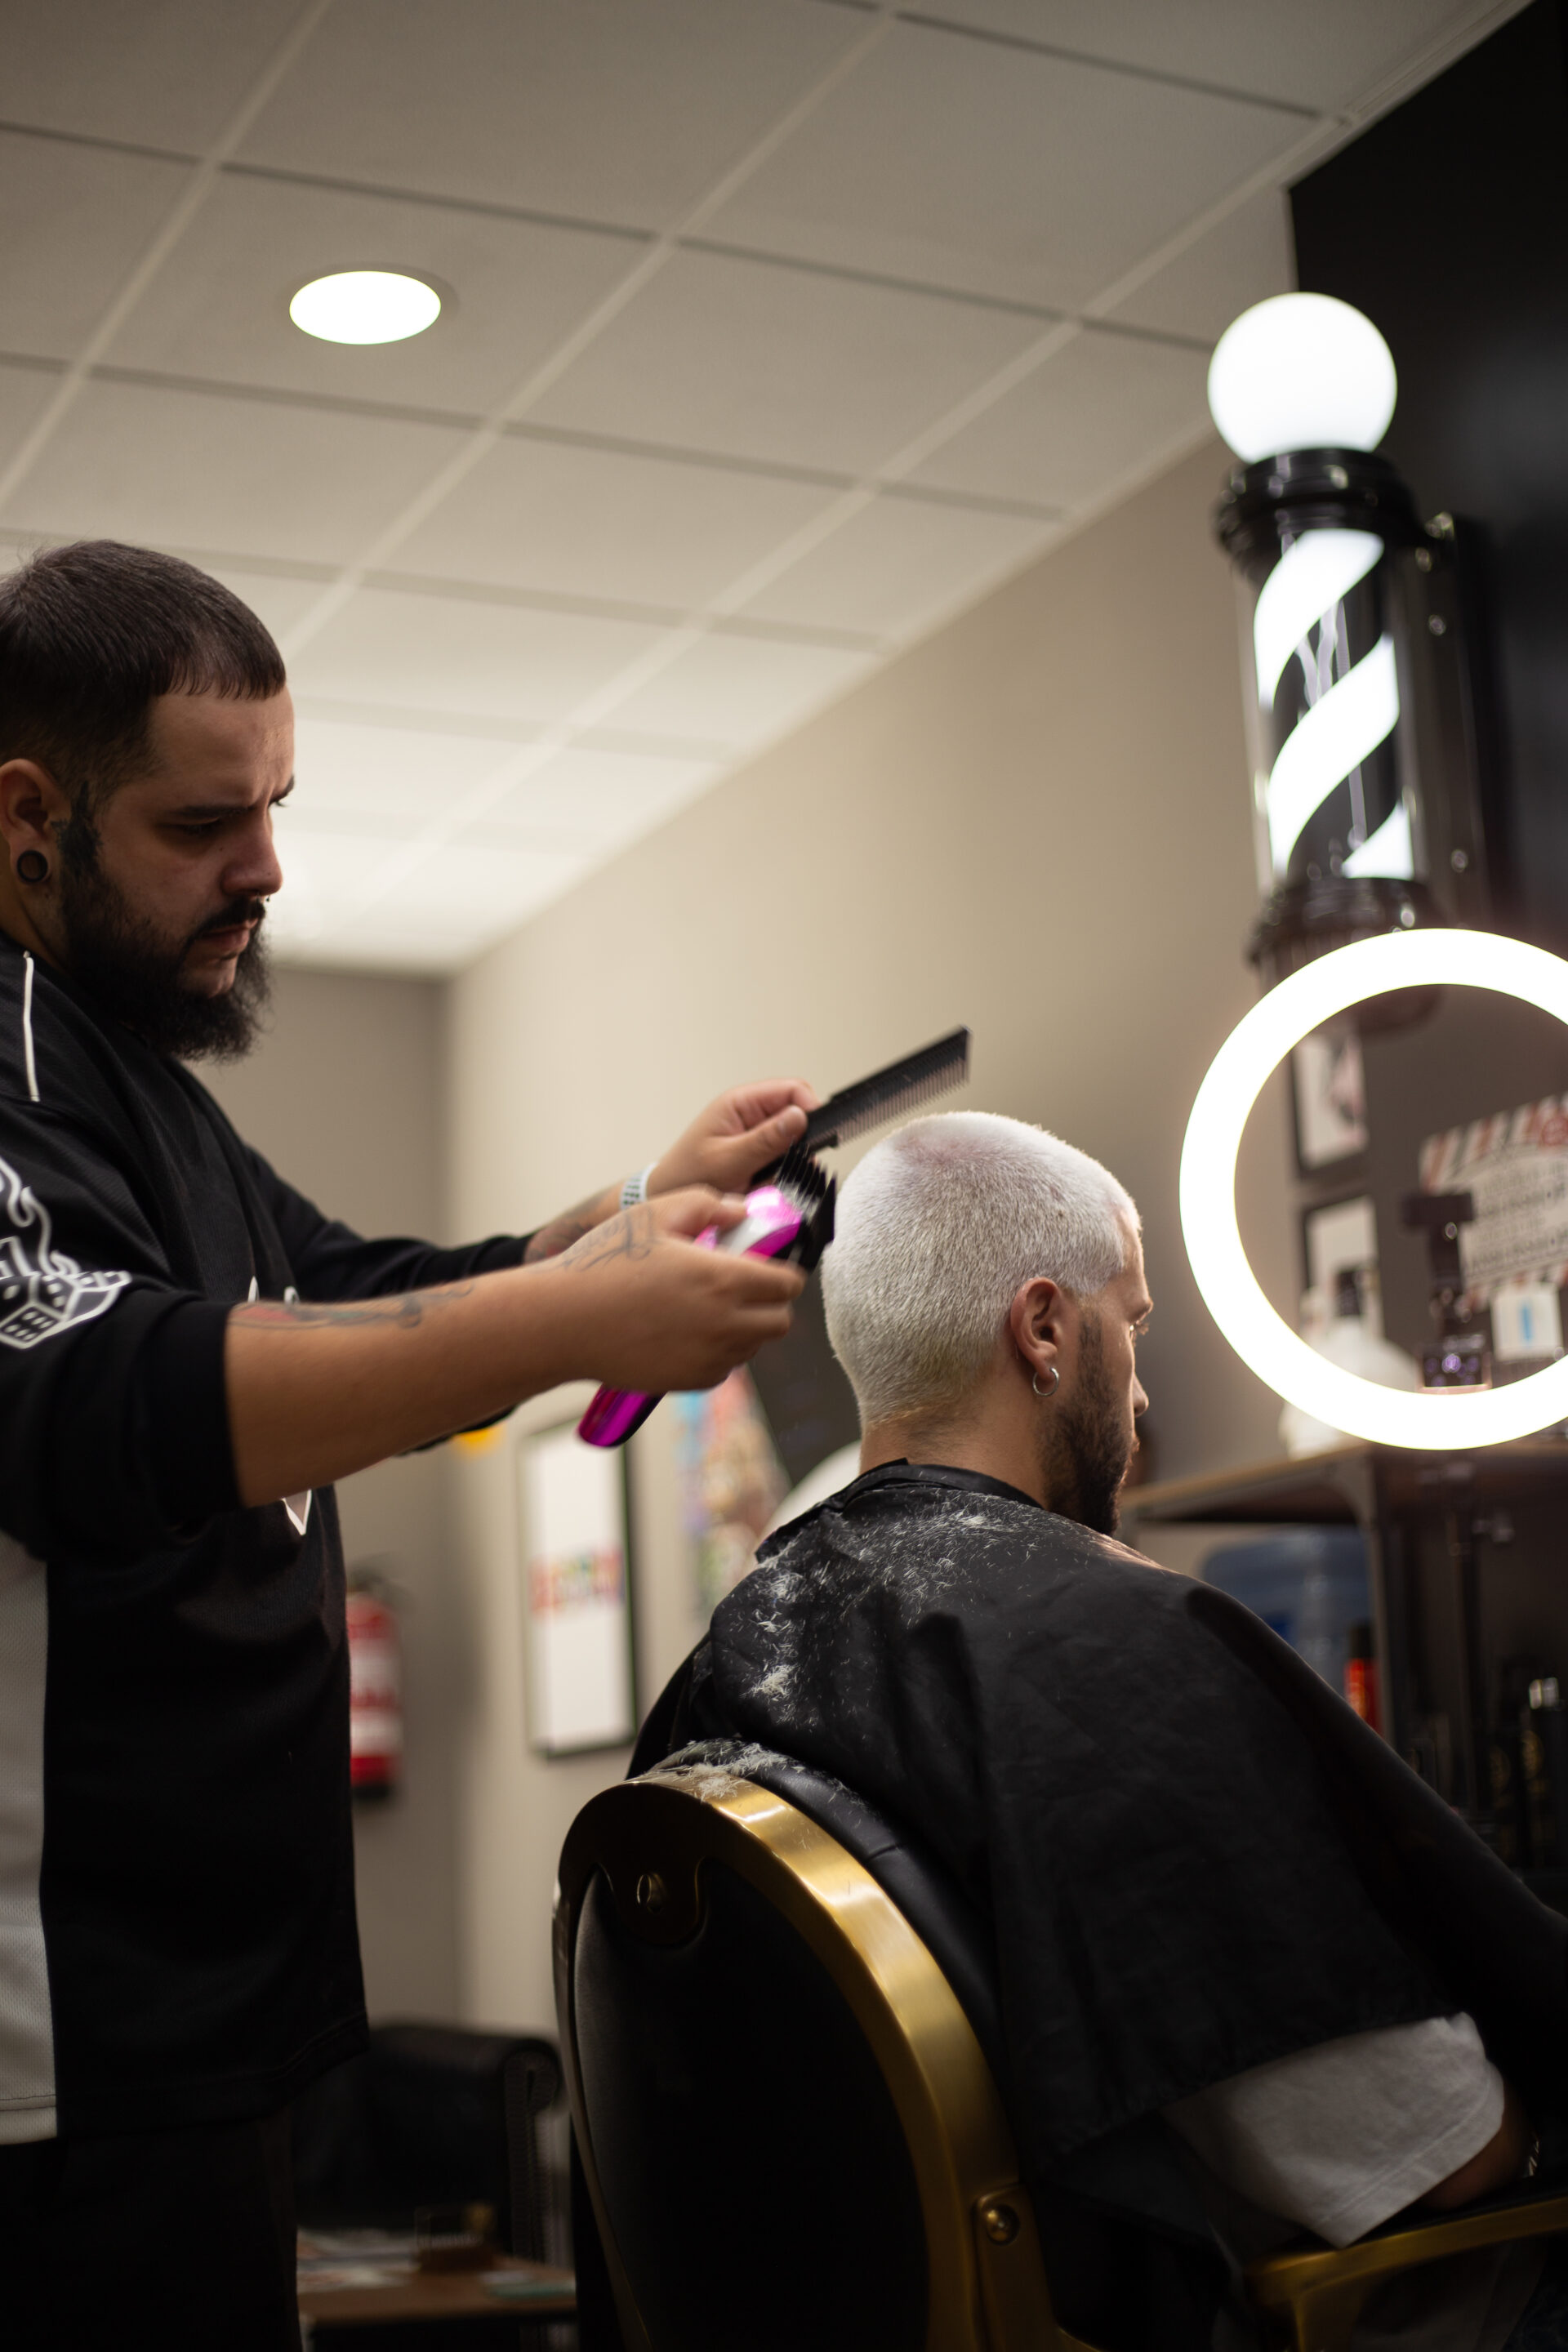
point(789, 1207)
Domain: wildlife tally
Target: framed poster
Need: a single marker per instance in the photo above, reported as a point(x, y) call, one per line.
point(1514, 1166)
point(1338, 1238)
point(1331, 1099)
point(731, 1482)
point(576, 1594)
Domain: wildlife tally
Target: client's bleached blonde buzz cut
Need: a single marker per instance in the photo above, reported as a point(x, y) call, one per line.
point(937, 1230)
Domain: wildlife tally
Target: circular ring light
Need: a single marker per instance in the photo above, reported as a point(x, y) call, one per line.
point(365, 306)
point(1253, 1051)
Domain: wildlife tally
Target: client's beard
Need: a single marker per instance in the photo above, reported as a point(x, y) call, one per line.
point(1086, 1444)
point(117, 958)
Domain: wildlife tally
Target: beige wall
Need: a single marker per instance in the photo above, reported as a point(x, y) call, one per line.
point(1034, 823)
point(344, 1098)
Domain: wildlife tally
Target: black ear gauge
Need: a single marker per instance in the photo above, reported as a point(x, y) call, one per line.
point(32, 867)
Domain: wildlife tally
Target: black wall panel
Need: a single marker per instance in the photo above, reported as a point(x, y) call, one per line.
point(1447, 223)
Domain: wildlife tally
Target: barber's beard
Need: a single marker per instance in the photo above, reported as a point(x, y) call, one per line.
point(115, 955)
point(1086, 1444)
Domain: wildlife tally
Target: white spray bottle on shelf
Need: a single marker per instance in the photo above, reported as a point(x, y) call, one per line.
point(1353, 1339)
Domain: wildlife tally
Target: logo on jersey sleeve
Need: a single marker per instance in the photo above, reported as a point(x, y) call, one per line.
point(42, 1291)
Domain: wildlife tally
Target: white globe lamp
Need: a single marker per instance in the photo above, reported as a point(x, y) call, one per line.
point(1301, 371)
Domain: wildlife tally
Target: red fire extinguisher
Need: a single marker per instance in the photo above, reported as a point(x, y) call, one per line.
point(375, 1687)
point(1361, 1676)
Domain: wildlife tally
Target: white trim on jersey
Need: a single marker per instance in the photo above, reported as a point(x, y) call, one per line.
point(27, 1053)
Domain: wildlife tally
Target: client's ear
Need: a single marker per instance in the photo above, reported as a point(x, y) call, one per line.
point(1037, 1322)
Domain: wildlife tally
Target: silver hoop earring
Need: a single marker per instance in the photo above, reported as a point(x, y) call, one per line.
point(1056, 1382)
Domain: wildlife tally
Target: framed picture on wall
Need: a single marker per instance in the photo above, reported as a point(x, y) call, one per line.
point(1340, 1237)
point(1331, 1099)
point(577, 1616)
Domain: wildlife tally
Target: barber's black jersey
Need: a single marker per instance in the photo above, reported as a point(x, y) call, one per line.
point(1195, 1858)
point(177, 1937)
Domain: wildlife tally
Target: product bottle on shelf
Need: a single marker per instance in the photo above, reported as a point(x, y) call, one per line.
point(1352, 1337)
point(1361, 1676)
point(1459, 1355)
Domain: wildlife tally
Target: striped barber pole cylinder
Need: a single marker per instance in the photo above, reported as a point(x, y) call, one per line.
point(1352, 670)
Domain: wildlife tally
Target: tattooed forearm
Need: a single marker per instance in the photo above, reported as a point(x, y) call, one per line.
point(407, 1312)
point(562, 1232)
point(630, 1234)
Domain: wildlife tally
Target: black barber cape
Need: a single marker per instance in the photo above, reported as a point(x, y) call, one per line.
point(177, 1938)
point(1195, 1857)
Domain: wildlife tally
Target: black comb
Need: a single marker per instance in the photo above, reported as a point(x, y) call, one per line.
point(814, 1194)
point(889, 1093)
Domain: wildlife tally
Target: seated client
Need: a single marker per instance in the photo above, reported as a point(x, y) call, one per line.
point(1235, 1936)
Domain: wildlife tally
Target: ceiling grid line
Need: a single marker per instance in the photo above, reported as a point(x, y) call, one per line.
point(701, 443)
point(404, 862)
point(926, 21)
point(440, 200)
point(178, 220)
point(616, 691)
point(530, 429)
point(542, 379)
point(490, 728)
point(526, 428)
point(483, 591)
point(99, 145)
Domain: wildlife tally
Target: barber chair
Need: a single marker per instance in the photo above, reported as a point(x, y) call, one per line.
point(428, 2116)
point(781, 2049)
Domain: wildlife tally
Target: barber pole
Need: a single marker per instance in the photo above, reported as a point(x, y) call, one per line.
point(375, 1691)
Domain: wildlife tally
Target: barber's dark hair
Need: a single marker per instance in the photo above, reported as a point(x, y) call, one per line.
point(91, 635)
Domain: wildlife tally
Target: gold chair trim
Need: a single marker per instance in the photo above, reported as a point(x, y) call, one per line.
point(1321, 2290)
point(651, 1837)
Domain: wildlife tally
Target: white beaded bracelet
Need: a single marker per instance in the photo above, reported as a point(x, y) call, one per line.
point(635, 1188)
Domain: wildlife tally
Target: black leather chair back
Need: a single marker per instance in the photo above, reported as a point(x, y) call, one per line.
point(785, 2118)
point(1127, 2246)
point(956, 1934)
point(750, 2210)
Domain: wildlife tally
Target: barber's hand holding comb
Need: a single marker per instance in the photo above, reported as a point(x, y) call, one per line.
point(615, 1290)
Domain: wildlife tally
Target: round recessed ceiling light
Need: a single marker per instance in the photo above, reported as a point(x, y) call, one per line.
point(365, 306)
point(1301, 371)
point(1255, 1049)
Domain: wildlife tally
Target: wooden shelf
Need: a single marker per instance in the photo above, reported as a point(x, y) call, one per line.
point(1350, 1485)
point(440, 2294)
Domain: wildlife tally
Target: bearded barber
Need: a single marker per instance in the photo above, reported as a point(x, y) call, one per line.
point(190, 1354)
